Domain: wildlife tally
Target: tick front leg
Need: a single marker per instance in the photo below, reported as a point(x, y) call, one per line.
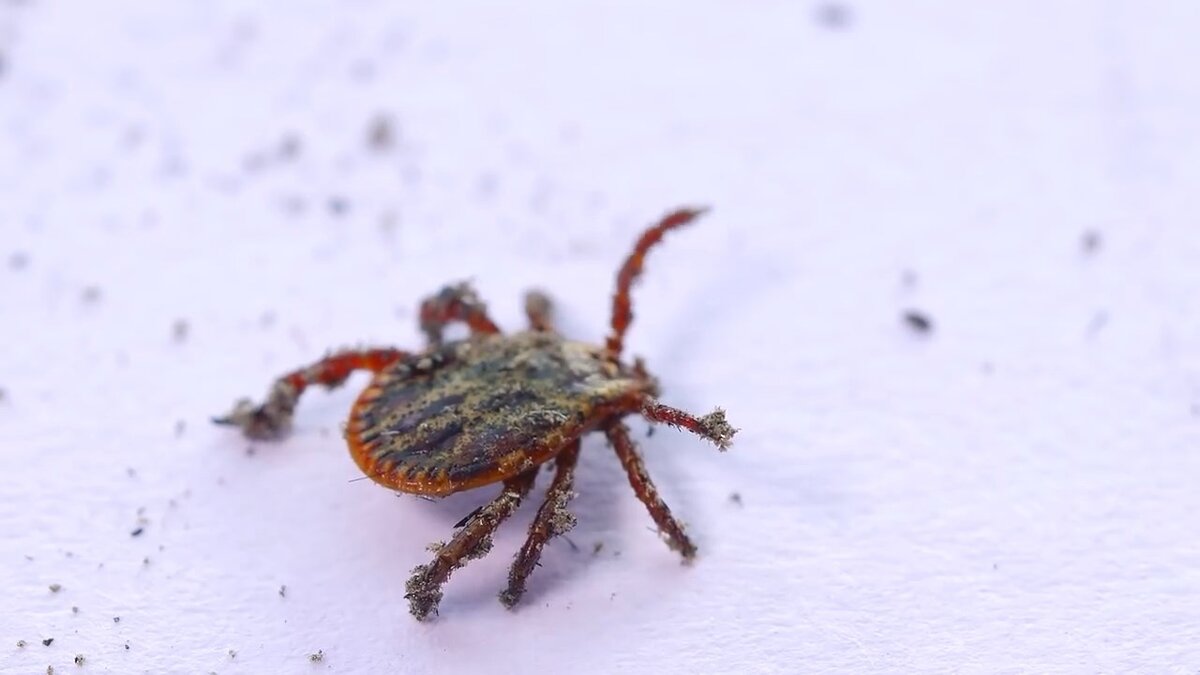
point(671, 529)
point(474, 540)
point(454, 303)
point(552, 520)
point(273, 417)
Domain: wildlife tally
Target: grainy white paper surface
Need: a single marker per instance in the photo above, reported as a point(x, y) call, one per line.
point(198, 196)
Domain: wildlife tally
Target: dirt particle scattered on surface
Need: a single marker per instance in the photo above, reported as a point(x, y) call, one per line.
point(74, 609)
point(597, 547)
point(21, 644)
point(735, 498)
point(233, 653)
point(290, 147)
point(146, 561)
point(338, 205)
point(47, 642)
point(1091, 241)
point(79, 659)
point(116, 619)
point(317, 656)
point(918, 321)
point(137, 532)
point(54, 588)
point(179, 330)
point(381, 135)
point(834, 15)
point(283, 591)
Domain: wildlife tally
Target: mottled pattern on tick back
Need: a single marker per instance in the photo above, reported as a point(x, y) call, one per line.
point(481, 410)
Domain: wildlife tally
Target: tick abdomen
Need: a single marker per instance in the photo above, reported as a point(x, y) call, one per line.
point(480, 410)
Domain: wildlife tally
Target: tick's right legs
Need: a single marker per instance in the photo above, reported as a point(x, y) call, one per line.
point(272, 418)
point(474, 540)
point(552, 519)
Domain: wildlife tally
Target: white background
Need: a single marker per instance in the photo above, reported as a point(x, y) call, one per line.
point(1017, 491)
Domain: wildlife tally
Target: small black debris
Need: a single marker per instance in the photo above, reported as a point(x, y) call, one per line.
point(736, 498)
point(918, 321)
point(47, 642)
point(54, 588)
point(137, 532)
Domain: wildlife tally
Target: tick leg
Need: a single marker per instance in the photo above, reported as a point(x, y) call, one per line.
point(552, 520)
point(272, 418)
point(712, 426)
point(540, 310)
point(668, 527)
point(454, 303)
point(622, 309)
point(474, 540)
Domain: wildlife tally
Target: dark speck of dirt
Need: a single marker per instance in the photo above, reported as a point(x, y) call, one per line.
point(338, 206)
point(1091, 241)
point(736, 498)
point(381, 135)
point(179, 330)
point(918, 321)
point(47, 642)
point(79, 659)
point(597, 547)
point(834, 15)
point(18, 260)
point(137, 532)
point(283, 591)
point(289, 147)
point(116, 619)
point(317, 656)
point(54, 588)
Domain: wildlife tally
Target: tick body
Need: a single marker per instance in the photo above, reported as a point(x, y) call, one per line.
point(493, 408)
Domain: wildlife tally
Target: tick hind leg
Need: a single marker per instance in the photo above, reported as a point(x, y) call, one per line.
point(670, 528)
point(474, 540)
point(459, 302)
point(552, 520)
point(273, 417)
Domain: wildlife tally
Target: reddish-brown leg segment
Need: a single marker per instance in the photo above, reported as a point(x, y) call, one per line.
point(454, 303)
point(712, 426)
point(671, 529)
point(272, 418)
point(474, 540)
point(540, 310)
point(622, 309)
point(552, 520)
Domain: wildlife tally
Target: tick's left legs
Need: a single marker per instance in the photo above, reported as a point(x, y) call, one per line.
point(552, 520)
point(671, 529)
point(540, 310)
point(474, 540)
point(454, 303)
point(271, 418)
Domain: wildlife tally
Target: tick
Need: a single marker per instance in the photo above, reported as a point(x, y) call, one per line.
point(493, 408)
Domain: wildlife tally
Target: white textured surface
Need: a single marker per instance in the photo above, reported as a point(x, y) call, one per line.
point(1017, 492)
